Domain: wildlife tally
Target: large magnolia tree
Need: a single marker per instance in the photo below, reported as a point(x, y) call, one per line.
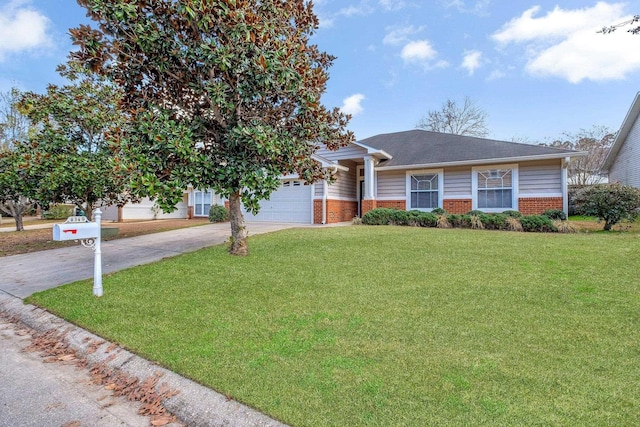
point(71, 149)
point(224, 94)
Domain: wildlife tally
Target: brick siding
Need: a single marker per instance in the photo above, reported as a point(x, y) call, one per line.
point(537, 205)
point(368, 205)
point(457, 206)
point(392, 204)
point(337, 211)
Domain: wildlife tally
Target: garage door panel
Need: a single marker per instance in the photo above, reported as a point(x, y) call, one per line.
point(290, 203)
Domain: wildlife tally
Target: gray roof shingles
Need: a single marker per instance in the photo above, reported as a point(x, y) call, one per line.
point(420, 147)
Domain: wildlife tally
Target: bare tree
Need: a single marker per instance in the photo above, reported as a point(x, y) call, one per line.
point(468, 119)
point(597, 142)
point(14, 126)
point(633, 21)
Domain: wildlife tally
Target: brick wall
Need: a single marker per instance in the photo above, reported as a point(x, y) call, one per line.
point(457, 206)
point(392, 204)
point(537, 205)
point(337, 211)
point(317, 211)
point(368, 205)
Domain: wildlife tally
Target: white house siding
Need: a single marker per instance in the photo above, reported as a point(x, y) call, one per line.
point(349, 152)
point(626, 166)
point(457, 182)
point(345, 186)
point(143, 211)
point(540, 178)
point(392, 185)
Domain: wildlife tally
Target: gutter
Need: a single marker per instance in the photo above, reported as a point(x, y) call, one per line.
point(483, 161)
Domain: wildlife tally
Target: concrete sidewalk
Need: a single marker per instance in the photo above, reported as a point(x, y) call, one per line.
point(22, 275)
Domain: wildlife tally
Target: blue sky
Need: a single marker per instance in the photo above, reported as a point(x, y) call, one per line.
point(538, 68)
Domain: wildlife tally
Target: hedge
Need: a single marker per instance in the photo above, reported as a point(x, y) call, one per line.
point(507, 221)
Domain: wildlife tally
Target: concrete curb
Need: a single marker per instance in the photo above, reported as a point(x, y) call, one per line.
point(195, 405)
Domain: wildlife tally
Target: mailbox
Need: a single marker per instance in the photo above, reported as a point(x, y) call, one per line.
point(76, 231)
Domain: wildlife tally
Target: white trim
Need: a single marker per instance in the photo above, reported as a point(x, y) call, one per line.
point(539, 195)
point(392, 199)
point(340, 199)
point(458, 197)
point(483, 162)
point(410, 173)
point(515, 184)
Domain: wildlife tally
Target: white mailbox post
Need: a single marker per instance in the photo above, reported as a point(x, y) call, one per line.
point(88, 233)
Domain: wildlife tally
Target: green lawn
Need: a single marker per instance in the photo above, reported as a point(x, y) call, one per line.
point(390, 326)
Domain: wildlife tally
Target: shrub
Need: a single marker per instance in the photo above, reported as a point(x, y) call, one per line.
point(438, 211)
point(611, 203)
point(356, 220)
point(513, 214)
point(475, 212)
point(378, 216)
point(476, 222)
point(460, 221)
point(218, 213)
point(59, 212)
point(442, 221)
point(555, 214)
point(513, 223)
point(564, 226)
point(494, 221)
point(398, 217)
point(425, 219)
point(537, 223)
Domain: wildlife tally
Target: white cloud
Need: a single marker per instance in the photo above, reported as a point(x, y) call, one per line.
point(22, 29)
point(353, 104)
point(478, 7)
point(418, 51)
point(399, 35)
point(392, 4)
point(471, 61)
point(565, 43)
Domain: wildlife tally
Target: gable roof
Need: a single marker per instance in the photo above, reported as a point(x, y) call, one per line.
point(421, 148)
point(627, 124)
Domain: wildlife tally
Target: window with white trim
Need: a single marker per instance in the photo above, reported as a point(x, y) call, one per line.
point(495, 189)
point(424, 191)
point(203, 201)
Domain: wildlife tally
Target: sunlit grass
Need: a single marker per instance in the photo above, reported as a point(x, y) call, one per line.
point(391, 326)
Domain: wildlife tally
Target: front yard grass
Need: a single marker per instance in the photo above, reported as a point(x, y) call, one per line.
point(391, 326)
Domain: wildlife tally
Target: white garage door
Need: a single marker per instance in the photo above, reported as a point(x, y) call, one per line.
point(290, 203)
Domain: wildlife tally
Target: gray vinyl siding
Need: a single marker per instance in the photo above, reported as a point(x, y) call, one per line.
point(457, 182)
point(543, 177)
point(345, 186)
point(348, 152)
point(319, 189)
point(626, 166)
point(392, 185)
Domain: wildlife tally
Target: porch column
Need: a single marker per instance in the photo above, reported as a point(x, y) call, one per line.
point(368, 201)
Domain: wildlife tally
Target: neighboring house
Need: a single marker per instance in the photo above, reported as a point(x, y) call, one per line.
point(418, 170)
point(623, 161)
point(195, 203)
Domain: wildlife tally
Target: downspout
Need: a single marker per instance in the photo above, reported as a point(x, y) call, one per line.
point(325, 194)
point(565, 185)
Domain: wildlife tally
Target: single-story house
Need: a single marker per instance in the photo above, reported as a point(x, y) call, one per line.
point(423, 170)
point(623, 161)
point(195, 203)
point(410, 170)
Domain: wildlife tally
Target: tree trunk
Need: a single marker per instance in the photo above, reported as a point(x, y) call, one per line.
point(239, 244)
point(17, 216)
point(608, 225)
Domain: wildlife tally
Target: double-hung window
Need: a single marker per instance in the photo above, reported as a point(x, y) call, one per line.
point(424, 190)
point(495, 188)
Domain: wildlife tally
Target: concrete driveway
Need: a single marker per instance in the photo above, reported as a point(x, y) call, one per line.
point(37, 394)
point(25, 274)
